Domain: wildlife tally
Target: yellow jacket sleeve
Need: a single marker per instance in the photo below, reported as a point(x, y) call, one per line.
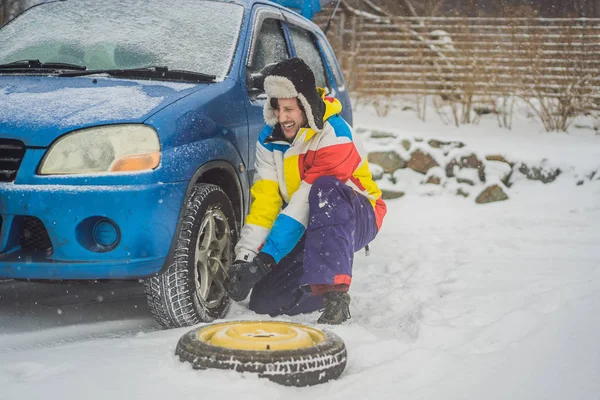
point(266, 202)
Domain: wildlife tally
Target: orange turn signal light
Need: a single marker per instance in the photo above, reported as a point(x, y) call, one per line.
point(137, 162)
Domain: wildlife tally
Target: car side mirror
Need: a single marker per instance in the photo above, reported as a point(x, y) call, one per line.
point(255, 81)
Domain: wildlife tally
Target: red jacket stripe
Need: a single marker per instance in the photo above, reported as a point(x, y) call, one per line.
point(340, 160)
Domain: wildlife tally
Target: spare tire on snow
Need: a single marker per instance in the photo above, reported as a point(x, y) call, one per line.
point(287, 353)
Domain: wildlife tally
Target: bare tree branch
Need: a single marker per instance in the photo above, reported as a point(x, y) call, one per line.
point(411, 8)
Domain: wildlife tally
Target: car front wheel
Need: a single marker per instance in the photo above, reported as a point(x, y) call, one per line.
point(191, 288)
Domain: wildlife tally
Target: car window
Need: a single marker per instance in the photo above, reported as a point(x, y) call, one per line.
point(270, 47)
point(331, 60)
point(306, 49)
point(194, 35)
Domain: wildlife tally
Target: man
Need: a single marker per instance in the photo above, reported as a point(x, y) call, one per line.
point(314, 203)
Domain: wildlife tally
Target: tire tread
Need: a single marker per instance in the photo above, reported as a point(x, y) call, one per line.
point(169, 295)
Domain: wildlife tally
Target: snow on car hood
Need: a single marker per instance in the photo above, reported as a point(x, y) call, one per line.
point(36, 109)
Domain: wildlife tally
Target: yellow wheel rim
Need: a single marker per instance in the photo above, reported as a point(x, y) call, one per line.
point(251, 335)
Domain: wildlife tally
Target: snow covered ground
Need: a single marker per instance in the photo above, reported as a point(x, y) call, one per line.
point(456, 301)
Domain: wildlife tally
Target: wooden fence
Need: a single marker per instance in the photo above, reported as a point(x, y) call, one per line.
point(475, 56)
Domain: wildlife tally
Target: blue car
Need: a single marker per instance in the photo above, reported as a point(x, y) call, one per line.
point(127, 139)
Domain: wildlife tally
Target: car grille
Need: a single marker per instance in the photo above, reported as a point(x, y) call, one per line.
point(11, 155)
point(34, 236)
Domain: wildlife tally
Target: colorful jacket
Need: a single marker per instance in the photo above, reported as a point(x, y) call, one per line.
point(284, 174)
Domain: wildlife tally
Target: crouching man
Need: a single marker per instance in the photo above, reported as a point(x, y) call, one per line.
point(314, 204)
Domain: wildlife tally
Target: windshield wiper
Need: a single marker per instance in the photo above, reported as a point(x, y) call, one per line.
point(148, 72)
point(37, 65)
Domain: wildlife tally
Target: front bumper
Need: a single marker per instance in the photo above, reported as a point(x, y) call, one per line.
point(146, 215)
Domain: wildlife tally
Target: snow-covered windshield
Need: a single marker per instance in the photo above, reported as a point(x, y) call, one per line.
point(190, 35)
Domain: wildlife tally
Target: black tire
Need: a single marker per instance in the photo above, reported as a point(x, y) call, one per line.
point(191, 290)
point(297, 367)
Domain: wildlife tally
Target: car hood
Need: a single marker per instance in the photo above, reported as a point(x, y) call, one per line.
point(38, 109)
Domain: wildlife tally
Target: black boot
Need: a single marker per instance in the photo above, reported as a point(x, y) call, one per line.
point(337, 308)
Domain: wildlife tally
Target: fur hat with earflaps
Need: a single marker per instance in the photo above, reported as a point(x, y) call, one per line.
point(293, 78)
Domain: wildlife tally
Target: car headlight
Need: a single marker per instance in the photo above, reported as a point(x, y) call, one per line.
point(103, 149)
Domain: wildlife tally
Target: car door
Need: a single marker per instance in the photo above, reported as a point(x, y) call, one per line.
point(268, 45)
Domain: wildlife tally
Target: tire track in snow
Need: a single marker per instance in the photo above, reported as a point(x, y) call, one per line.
point(44, 315)
point(72, 335)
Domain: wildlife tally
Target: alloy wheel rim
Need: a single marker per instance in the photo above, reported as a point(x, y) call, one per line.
point(212, 256)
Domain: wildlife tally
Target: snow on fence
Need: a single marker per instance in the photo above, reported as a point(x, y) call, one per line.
point(536, 57)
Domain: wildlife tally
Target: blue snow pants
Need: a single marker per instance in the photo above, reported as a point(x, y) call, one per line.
point(340, 223)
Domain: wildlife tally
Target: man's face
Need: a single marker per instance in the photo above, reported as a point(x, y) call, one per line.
point(290, 116)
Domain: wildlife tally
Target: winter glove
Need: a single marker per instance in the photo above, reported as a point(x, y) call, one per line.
point(244, 275)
